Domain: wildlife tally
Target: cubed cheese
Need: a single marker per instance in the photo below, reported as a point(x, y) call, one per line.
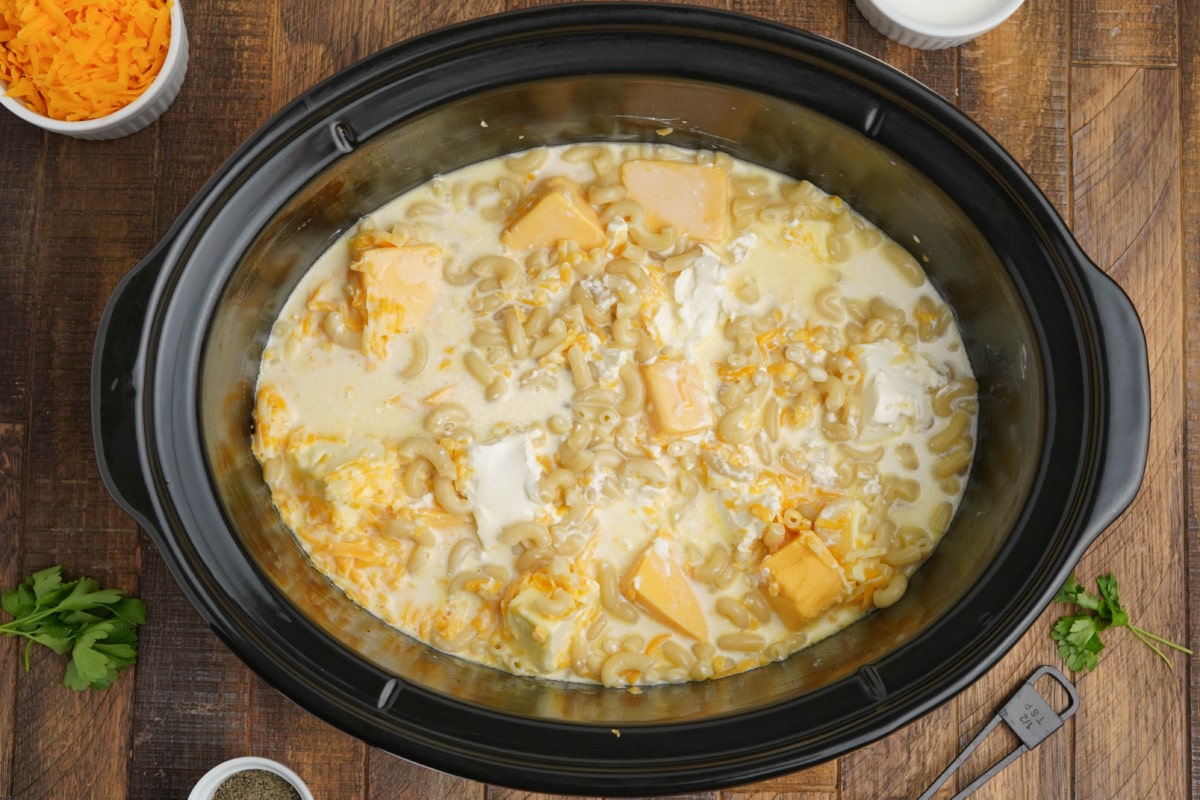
point(656, 582)
point(678, 404)
point(556, 212)
point(803, 579)
point(691, 198)
point(840, 526)
point(341, 479)
point(398, 287)
point(544, 610)
point(896, 389)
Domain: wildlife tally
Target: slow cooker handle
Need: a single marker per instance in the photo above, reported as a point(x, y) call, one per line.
point(117, 374)
point(1126, 387)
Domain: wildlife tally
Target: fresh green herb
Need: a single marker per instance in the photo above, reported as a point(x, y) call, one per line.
point(96, 626)
point(1078, 635)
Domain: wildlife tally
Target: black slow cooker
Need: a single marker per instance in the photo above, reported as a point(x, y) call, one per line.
point(1057, 347)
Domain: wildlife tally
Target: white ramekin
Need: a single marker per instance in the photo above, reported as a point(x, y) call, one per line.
point(886, 17)
point(137, 115)
point(206, 787)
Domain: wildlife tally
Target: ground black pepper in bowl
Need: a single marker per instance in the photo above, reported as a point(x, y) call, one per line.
point(256, 784)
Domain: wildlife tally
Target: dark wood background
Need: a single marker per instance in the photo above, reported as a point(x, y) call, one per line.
point(1098, 99)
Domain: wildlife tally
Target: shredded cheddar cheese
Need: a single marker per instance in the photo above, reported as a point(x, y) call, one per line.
point(76, 60)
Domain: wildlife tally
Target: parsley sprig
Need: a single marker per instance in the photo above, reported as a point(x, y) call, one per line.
point(96, 626)
point(1078, 635)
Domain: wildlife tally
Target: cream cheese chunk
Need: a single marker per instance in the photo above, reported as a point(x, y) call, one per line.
point(547, 611)
point(503, 488)
point(896, 389)
point(700, 299)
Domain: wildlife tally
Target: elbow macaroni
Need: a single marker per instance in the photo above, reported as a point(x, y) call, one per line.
point(511, 479)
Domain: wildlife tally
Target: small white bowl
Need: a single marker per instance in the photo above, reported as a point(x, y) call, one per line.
point(207, 786)
point(954, 23)
point(137, 115)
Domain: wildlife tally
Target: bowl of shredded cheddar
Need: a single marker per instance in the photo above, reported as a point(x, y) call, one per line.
point(91, 69)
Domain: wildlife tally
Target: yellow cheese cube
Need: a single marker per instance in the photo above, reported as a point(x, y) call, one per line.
point(691, 198)
point(546, 609)
point(340, 479)
point(397, 289)
point(678, 404)
point(656, 583)
point(804, 579)
point(840, 525)
point(558, 211)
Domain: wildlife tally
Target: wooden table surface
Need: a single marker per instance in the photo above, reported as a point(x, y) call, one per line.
point(1099, 100)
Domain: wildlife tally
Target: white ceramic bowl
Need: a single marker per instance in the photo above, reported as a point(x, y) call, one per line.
point(137, 115)
point(207, 786)
point(954, 23)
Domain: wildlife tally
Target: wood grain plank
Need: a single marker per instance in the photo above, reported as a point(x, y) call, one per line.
point(905, 763)
point(20, 177)
point(823, 17)
point(1120, 32)
point(1044, 772)
point(502, 793)
point(208, 122)
point(1014, 85)
point(315, 38)
point(1189, 11)
point(12, 482)
point(70, 518)
point(397, 779)
point(1127, 203)
point(818, 781)
point(225, 97)
point(505, 793)
point(332, 763)
point(99, 232)
point(424, 16)
point(192, 694)
point(72, 744)
point(937, 69)
point(392, 778)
